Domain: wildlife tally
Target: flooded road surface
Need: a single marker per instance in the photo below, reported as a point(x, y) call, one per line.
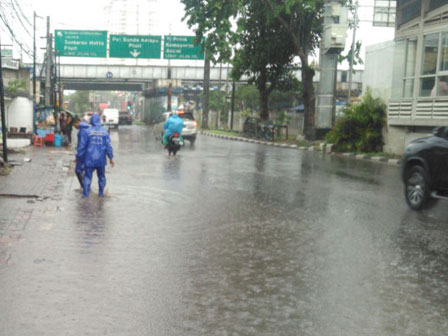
point(228, 238)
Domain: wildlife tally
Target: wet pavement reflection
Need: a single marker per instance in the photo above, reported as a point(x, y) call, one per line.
point(227, 238)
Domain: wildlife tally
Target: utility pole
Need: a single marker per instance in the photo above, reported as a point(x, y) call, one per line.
point(170, 85)
point(3, 110)
point(233, 106)
point(333, 42)
point(206, 101)
point(226, 102)
point(34, 75)
point(48, 65)
point(352, 52)
point(218, 113)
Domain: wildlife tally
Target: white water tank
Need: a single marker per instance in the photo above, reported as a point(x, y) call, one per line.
point(20, 114)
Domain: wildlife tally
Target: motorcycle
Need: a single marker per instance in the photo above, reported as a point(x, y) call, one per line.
point(174, 143)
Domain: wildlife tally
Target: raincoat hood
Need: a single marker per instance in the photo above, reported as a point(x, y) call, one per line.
point(83, 125)
point(174, 124)
point(96, 120)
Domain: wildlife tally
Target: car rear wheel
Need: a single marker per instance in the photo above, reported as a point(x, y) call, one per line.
point(417, 189)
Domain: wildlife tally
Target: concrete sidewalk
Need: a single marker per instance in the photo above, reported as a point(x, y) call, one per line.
point(42, 177)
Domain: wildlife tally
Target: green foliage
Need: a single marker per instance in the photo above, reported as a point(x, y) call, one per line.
point(16, 85)
point(360, 129)
point(286, 95)
point(217, 100)
point(214, 20)
point(79, 102)
point(357, 60)
point(264, 54)
point(156, 109)
point(247, 97)
point(264, 50)
point(245, 113)
point(283, 118)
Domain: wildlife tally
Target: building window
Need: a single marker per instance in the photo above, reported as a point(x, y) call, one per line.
point(409, 71)
point(384, 13)
point(434, 4)
point(431, 48)
point(444, 53)
point(434, 76)
point(427, 86)
point(408, 10)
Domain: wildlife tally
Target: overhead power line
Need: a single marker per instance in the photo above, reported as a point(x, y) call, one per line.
point(23, 47)
point(23, 14)
point(19, 17)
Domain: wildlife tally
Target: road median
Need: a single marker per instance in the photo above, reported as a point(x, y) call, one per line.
point(381, 159)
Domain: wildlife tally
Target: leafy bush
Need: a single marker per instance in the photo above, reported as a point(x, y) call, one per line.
point(361, 127)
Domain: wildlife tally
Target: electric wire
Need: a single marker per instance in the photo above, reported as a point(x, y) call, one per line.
point(17, 15)
point(23, 47)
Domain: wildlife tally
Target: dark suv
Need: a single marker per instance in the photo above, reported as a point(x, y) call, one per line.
point(425, 169)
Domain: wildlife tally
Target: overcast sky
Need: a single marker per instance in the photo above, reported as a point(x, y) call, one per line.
point(89, 14)
point(83, 14)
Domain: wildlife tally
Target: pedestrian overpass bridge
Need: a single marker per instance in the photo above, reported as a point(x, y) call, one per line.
point(105, 77)
point(133, 77)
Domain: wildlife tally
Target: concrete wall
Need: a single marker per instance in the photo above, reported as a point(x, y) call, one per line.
point(397, 138)
point(295, 124)
point(379, 69)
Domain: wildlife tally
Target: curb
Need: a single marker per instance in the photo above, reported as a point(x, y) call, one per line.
point(358, 157)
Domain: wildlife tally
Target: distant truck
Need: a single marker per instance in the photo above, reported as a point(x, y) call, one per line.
point(111, 117)
point(125, 118)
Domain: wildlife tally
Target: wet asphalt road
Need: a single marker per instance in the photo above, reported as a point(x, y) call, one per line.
point(229, 238)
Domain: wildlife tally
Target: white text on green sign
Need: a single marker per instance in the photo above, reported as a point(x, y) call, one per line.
point(182, 48)
point(81, 43)
point(135, 46)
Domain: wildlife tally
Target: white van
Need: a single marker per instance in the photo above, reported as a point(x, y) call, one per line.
point(111, 117)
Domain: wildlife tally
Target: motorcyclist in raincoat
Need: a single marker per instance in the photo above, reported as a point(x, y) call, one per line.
point(173, 125)
point(82, 126)
point(94, 146)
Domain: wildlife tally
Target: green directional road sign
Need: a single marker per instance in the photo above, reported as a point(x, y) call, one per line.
point(181, 48)
point(81, 43)
point(135, 46)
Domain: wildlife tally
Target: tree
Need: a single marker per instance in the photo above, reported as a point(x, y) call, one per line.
point(286, 95)
point(79, 101)
point(303, 19)
point(247, 97)
point(264, 52)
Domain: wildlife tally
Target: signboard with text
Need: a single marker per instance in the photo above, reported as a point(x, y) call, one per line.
point(135, 46)
point(81, 43)
point(181, 48)
point(6, 53)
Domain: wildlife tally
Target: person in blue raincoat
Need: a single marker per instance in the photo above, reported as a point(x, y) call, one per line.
point(94, 147)
point(173, 125)
point(82, 126)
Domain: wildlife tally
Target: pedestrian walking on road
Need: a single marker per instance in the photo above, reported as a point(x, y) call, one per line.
point(82, 126)
point(94, 147)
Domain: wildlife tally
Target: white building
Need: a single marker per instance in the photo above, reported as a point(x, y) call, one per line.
point(420, 71)
point(131, 17)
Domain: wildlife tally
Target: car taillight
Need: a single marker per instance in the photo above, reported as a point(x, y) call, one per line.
point(176, 134)
point(195, 124)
